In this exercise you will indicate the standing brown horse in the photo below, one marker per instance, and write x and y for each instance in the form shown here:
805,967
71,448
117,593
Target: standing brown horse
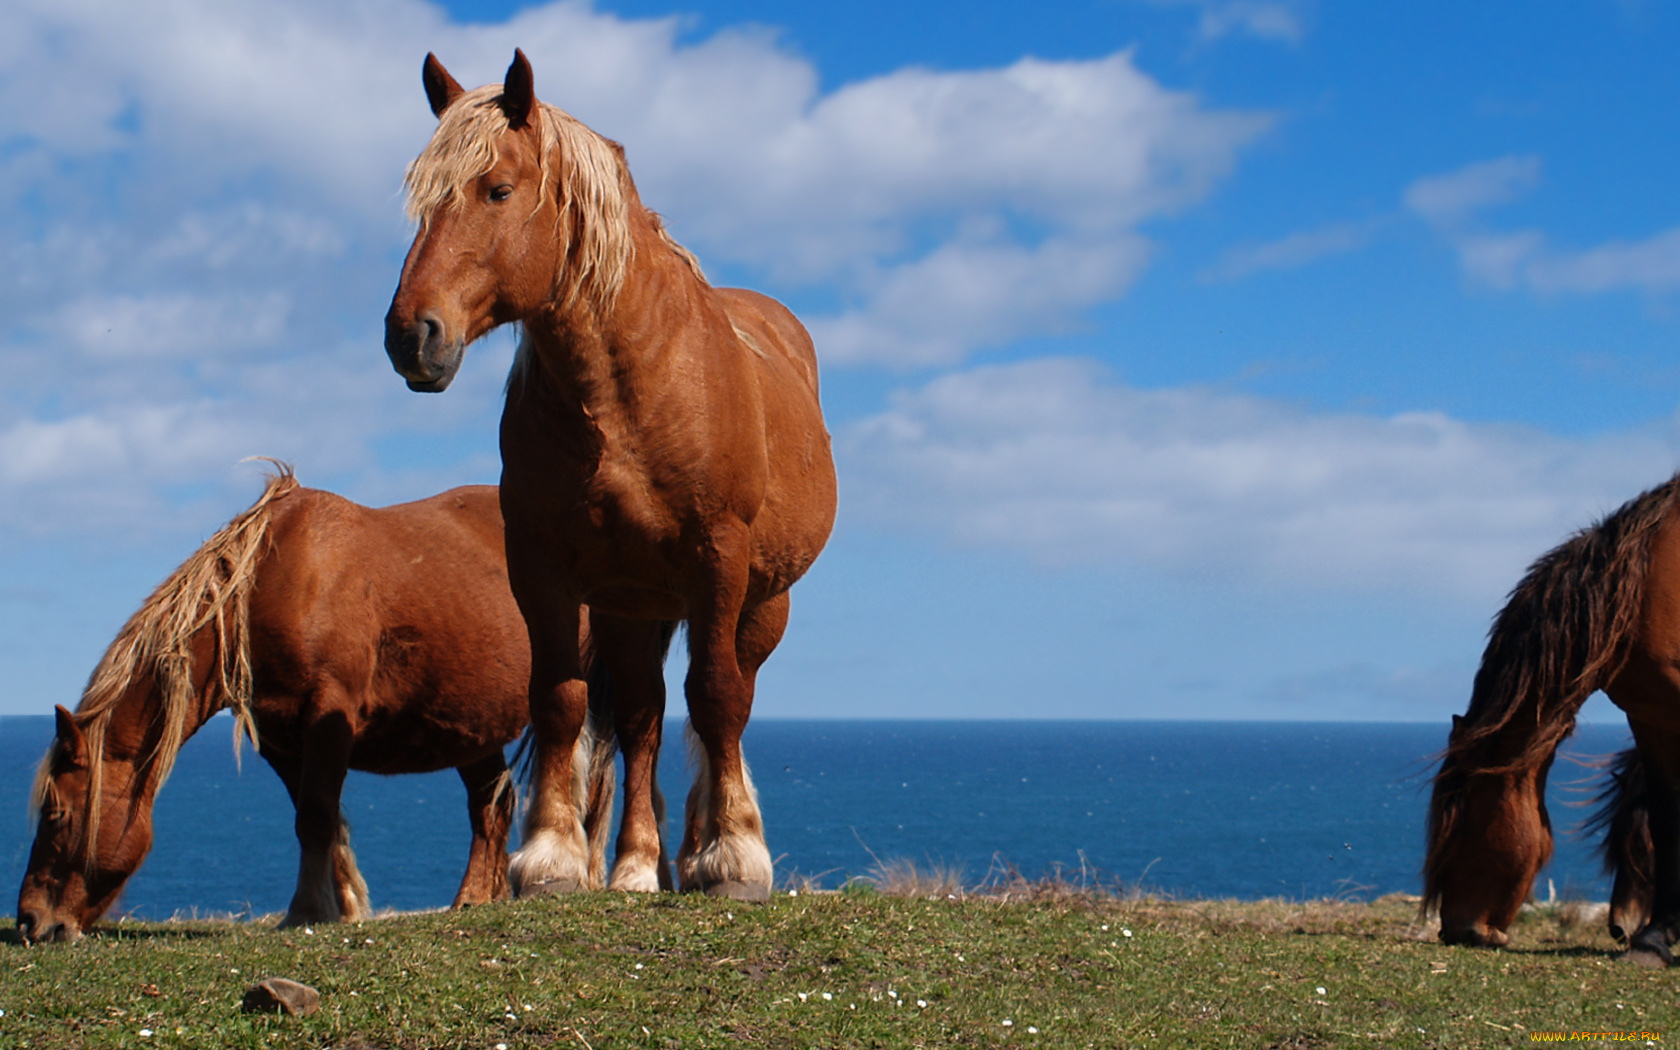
1601,611
663,458
341,638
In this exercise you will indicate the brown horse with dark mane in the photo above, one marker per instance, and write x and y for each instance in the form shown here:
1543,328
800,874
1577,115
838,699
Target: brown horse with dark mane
664,458
1599,612
341,638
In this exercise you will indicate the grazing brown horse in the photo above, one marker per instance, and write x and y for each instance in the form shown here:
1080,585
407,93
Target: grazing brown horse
663,458
341,638
1601,611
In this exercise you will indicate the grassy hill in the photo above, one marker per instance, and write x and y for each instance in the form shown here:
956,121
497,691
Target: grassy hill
855,969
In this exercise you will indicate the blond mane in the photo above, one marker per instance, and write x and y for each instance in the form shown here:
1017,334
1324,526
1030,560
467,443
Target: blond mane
210,589
591,186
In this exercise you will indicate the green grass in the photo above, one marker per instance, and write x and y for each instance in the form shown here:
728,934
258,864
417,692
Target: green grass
856,969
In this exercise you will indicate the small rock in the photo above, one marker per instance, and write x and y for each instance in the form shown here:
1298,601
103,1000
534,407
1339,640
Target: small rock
279,995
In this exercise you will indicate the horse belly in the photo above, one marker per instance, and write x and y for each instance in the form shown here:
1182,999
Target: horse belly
426,738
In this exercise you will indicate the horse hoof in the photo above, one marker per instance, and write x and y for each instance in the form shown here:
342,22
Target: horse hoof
1470,937
550,887
1649,953
745,892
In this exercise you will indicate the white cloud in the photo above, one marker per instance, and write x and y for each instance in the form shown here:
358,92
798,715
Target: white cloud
1275,20
166,325
1453,199
907,179
1453,204
1266,20
1290,252
966,297
1052,459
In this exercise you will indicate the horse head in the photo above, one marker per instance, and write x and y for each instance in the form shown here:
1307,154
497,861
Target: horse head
1489,836
519,209
94,830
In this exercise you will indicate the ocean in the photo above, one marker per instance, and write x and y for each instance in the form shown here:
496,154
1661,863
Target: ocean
1243,810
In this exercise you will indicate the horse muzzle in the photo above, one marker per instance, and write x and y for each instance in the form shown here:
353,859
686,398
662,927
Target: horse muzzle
40,928
421,351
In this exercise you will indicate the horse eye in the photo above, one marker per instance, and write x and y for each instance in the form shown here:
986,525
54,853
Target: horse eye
501,192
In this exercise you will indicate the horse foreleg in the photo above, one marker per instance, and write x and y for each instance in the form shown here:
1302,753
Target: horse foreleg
633,652
554,857
329,887
723,851
1659,749
490,811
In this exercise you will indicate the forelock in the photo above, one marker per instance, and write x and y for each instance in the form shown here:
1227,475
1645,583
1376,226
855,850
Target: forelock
462,149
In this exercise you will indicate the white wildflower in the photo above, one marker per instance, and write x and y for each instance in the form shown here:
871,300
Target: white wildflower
145,1033
1031,1030
922,1003
827,997
1320,990
1007,1023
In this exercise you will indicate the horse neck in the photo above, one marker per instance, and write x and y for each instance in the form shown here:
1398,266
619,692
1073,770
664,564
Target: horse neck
138,720
592,356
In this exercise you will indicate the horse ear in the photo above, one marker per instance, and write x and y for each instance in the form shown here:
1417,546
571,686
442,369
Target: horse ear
518,98
441,88
71,743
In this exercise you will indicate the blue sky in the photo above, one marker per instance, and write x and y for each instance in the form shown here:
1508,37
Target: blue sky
1185,358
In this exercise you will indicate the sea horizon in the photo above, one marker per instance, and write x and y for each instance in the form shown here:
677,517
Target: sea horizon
1244,809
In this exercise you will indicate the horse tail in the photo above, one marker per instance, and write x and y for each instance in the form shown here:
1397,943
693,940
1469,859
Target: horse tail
1565,632
349,888
1623,818
209,591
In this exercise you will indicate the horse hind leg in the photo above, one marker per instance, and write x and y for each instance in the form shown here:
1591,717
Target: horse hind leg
723,851
632,691
597,754
490,813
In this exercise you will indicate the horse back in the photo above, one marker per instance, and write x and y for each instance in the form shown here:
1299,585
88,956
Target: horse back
397,619
772,332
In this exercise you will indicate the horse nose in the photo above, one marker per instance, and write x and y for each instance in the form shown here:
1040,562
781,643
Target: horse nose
36,928
411,343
